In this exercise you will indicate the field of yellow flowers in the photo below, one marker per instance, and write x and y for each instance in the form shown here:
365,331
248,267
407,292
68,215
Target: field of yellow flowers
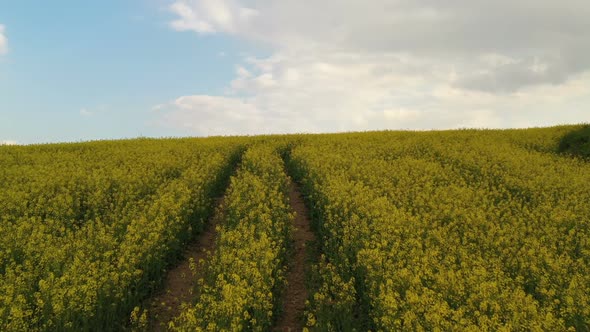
245,274
465,230
448,231
86,230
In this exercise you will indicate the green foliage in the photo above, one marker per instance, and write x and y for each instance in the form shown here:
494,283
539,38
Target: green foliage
245,274
445,231
87,230
576,143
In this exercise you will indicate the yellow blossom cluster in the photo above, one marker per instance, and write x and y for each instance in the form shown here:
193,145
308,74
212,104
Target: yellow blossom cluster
87,230
466,230
448,231
245,274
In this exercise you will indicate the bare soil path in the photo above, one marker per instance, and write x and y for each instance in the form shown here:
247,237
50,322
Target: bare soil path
296,292
179,284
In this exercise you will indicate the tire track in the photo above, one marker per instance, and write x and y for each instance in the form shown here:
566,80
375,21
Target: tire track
296,292
179,285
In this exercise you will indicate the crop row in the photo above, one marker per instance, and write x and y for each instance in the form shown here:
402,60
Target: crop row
245,274
88,230
460,230
428,231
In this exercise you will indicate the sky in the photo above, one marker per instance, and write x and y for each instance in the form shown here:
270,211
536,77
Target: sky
85,70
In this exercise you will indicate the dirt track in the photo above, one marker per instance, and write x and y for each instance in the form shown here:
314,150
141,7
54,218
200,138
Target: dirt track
296,291
179,284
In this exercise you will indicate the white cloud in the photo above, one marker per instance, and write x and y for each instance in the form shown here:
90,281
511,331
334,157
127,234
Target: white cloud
85,112
3,40
210,115
97,110
207,16
356,65
8,142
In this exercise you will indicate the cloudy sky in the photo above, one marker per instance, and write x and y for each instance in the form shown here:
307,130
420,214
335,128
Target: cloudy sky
75,70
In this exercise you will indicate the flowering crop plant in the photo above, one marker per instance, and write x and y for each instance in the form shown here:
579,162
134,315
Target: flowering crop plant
87,230
463,230
245,274
448,231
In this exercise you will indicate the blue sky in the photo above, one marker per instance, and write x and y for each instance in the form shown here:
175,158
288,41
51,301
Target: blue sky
74,70
79,70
